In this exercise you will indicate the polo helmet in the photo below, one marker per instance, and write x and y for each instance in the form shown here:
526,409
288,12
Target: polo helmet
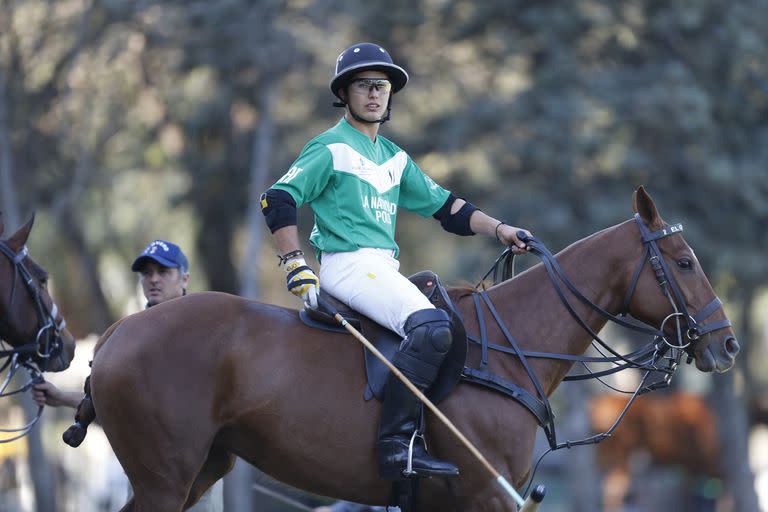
364,56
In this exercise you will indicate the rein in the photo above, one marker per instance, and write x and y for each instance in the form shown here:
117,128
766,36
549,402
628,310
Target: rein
13,364
47,343
647,358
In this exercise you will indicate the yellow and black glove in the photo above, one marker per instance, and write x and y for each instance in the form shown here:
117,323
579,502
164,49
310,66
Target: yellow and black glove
302,281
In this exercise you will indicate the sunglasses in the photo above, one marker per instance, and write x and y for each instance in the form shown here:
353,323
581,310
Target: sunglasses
367,85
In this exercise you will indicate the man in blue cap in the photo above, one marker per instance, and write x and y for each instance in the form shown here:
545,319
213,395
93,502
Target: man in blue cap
163,271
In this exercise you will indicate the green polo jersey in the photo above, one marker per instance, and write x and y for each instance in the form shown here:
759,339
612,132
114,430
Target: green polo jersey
355,187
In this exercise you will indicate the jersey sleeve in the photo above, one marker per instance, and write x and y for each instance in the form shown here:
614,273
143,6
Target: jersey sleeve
308,175
419,193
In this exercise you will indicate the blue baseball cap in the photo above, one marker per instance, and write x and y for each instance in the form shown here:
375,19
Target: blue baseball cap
165,253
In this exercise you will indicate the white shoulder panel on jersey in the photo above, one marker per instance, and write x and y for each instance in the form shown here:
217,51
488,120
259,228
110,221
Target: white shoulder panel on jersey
382,177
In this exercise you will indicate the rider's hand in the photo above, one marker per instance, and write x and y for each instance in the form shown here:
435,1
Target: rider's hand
507,235
302,281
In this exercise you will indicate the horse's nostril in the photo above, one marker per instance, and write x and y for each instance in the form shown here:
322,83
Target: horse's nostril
731,346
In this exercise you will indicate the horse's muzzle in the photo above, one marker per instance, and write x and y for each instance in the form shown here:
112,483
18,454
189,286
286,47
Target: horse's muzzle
717,356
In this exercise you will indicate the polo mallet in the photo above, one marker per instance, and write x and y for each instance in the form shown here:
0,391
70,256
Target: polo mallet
529,505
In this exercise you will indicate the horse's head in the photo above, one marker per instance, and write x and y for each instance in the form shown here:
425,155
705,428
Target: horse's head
674,293
29,319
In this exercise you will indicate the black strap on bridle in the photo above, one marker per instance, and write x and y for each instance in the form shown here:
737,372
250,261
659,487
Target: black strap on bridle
696,327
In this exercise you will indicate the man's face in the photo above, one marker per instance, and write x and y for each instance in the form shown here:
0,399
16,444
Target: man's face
161,283
368,94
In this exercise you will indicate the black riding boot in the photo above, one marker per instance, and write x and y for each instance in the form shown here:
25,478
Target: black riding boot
400,415
419,358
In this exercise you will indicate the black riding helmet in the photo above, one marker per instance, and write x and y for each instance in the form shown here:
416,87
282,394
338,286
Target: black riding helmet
361,57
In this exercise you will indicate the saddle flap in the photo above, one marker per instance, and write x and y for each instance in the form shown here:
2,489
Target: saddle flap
387,341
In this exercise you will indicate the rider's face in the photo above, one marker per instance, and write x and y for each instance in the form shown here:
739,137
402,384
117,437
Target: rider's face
368,94
162,283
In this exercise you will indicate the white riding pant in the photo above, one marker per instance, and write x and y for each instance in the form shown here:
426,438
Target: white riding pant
368,281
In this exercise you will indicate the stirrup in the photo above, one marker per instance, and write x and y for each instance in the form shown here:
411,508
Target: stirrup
408,471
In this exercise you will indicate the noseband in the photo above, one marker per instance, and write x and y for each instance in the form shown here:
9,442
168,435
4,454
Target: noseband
48,342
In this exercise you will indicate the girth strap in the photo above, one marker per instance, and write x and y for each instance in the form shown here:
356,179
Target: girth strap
509,388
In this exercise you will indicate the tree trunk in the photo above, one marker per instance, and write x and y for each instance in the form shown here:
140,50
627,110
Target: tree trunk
262,144
238,491
7,188
730,404
99,315
580,465
40,469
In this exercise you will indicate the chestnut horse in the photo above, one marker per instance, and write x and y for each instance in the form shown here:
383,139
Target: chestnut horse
183,387
30,321
674,429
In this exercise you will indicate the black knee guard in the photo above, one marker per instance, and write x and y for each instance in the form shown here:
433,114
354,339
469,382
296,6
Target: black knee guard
428,339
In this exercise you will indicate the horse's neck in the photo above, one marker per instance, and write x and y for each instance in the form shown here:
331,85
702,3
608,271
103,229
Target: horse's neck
534,313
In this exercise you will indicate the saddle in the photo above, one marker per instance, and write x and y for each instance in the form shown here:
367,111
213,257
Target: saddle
387,342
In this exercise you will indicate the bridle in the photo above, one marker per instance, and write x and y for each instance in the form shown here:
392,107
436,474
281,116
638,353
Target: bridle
695,326
659,356
48,342
35,355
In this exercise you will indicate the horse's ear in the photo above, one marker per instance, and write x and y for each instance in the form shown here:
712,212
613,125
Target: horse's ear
19,238
644,205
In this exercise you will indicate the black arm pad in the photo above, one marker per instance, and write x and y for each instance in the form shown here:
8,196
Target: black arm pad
457,223
279,209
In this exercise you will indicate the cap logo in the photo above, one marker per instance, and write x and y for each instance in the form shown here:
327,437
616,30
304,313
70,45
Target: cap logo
152,248
356,50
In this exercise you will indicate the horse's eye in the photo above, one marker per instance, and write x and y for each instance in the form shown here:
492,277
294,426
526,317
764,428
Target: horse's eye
685,263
